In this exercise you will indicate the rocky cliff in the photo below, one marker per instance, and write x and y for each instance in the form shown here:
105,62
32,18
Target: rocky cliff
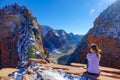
106,34
54,39
20,36
59,42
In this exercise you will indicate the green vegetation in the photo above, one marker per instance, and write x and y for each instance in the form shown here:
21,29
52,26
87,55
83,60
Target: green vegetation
31,51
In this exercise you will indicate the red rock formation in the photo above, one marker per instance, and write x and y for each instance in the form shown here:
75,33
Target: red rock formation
105,34
8,47
8,52
96,21
18,30
51,37
110,50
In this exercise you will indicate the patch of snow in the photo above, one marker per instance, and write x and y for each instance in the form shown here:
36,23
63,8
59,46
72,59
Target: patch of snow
48,74
24,41
56,33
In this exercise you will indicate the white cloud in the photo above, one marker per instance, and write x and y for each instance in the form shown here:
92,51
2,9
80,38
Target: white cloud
92,11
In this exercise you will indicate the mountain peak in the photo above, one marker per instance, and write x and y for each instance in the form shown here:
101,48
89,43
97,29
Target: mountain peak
19,35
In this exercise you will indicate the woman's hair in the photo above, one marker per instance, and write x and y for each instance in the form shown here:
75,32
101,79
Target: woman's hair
96,49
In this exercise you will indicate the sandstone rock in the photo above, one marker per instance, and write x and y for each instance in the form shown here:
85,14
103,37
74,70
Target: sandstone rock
5,71
105,34
26,77
20,35
30,71
6,78
40,61
61,72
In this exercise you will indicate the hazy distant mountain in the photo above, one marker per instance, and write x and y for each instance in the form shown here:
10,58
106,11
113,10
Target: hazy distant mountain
58,42
45,30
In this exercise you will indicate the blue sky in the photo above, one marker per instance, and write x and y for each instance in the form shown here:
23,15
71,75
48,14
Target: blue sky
75,16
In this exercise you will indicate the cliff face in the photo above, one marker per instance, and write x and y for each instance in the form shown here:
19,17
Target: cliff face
59,43
106,34
55,39
20,35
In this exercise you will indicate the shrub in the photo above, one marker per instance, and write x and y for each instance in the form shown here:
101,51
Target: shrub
30,52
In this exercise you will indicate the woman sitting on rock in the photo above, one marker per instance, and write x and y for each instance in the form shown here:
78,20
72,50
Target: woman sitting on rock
93,60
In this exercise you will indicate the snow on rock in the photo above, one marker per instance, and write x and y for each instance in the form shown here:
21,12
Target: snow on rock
38,73
58,42
20,35
106,34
